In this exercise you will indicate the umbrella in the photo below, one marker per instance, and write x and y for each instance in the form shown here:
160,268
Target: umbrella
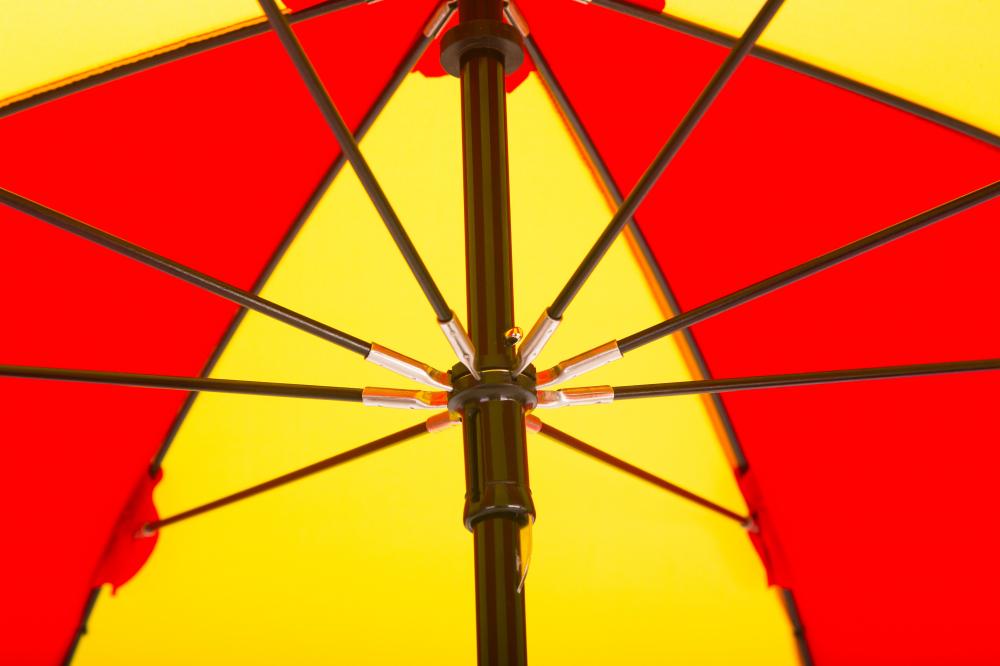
761,237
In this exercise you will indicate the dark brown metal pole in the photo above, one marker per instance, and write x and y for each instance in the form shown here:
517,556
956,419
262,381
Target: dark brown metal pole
481,50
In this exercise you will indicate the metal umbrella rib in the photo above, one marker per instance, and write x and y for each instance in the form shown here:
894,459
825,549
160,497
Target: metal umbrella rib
534,342
449,323
802,379
558,94
614,350
185,273
808,268
352,151
212,385
158,59
413,55
794,64
572,442
798,630
381,356
81,629
285,479
492,426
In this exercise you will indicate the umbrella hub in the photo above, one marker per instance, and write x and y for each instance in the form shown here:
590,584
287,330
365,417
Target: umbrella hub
493,384
484,36
492,409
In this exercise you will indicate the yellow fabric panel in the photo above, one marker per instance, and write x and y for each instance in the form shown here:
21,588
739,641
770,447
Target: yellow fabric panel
369,563
53,40
943,54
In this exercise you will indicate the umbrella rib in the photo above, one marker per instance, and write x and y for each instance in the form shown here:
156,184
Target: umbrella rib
370,395
794,64
605,394
536,339
604,173
381,356
162,58
212,385
402,71
572,442
81,627
315,468
812,267
798,629
456,335
803,379
322,8
614,350
185,273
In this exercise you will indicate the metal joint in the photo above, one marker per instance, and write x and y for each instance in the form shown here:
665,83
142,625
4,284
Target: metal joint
144,532
443,421
461,343
403,398
482,35
408,367
537,338
584,395
578,365
502,498
516,19
513,336
439,20
495,385
532,423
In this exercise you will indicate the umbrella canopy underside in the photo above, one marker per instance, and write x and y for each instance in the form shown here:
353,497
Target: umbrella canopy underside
870,497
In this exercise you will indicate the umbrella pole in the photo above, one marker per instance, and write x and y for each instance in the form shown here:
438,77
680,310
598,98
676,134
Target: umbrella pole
481,50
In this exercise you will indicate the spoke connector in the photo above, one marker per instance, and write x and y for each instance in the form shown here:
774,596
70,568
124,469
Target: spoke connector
461,384
463,388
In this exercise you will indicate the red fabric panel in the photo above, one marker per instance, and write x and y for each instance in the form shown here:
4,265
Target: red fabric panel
207,161
876,496
125,554
769,549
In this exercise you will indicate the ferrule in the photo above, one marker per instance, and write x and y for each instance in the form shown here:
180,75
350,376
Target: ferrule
408,367
516,19
461,343
578,365
537,338
584,395
404,398
437,22
443,421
